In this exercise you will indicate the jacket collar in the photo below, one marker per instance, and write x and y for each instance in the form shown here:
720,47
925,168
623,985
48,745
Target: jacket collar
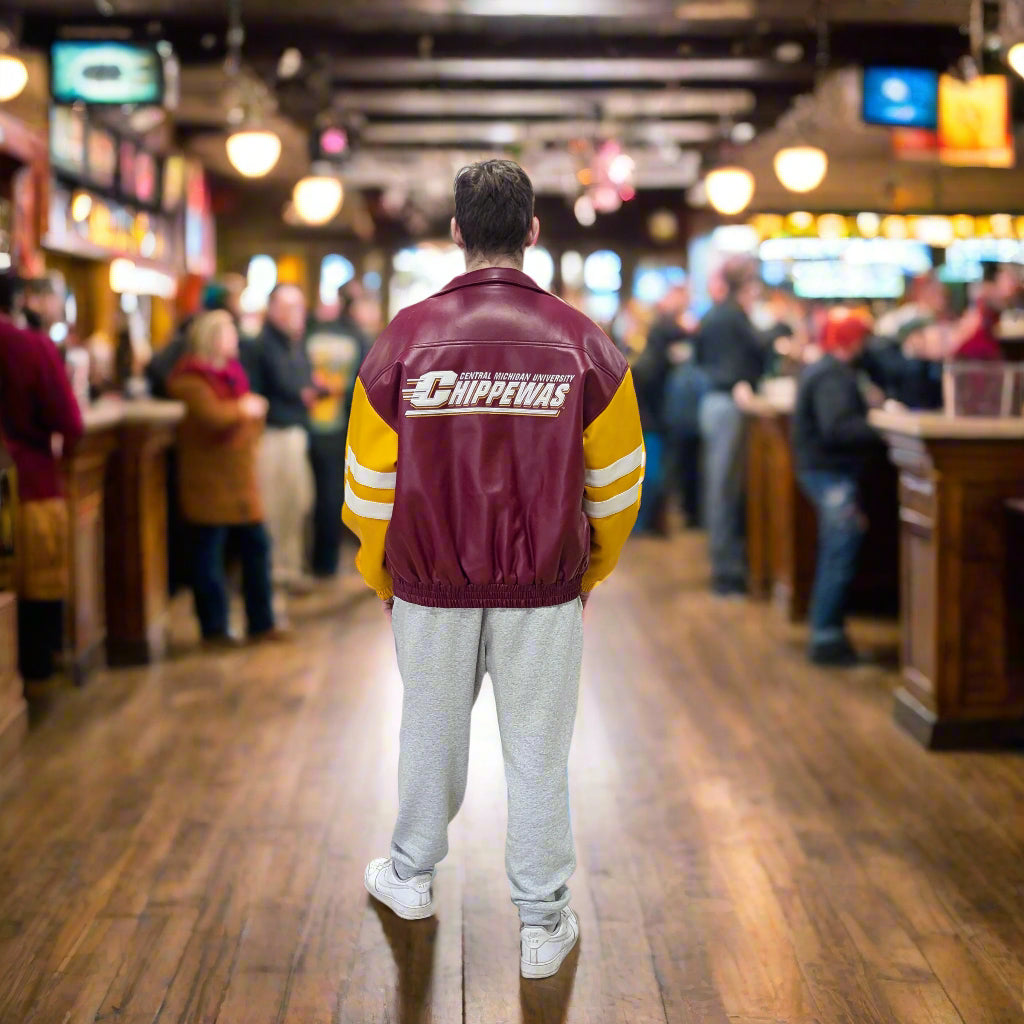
491,275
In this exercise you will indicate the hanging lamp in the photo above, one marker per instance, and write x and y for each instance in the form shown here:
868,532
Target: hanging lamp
729,189
254,152
801,167
317,198
252,148
13,76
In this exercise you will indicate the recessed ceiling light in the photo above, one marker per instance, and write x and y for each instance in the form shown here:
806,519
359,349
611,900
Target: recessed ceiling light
789,53
743,132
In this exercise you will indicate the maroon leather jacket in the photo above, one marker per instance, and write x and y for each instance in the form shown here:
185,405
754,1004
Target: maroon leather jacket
495,453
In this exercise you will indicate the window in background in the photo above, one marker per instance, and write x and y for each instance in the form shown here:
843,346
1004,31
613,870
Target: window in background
572,269
260,280
652,281
422,270
602,281
539,265
335,271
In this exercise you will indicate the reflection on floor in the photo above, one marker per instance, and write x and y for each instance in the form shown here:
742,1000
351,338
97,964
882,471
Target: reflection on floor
757,842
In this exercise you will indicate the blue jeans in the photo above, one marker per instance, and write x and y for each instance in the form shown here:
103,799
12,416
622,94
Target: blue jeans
841,528
723,429
652,493
209,587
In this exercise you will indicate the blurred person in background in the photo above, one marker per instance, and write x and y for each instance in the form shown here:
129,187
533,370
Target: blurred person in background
667,334
904,356
685,388
733,355
832,443
45,302
976,337
40,420
282,373
336,351
217,479
222,294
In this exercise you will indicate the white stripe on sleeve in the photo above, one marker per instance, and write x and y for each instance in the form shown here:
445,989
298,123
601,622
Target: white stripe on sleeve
367,509
370,477
603,509
616,471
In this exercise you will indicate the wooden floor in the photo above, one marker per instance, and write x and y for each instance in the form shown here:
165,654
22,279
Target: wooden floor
757,843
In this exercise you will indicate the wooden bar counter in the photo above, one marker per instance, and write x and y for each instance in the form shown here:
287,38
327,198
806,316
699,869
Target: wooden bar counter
116,486
963,669
782,525
13,708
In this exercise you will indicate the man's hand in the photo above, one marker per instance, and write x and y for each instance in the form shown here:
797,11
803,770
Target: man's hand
742,393
310,397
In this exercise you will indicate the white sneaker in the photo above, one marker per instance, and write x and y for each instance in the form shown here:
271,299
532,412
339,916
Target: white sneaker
542,952
411,899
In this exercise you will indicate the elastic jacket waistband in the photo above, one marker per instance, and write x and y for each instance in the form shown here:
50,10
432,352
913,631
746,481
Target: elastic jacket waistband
492,595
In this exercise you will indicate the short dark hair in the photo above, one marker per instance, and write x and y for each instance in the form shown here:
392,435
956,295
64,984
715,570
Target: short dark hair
737,274
494,208
10,289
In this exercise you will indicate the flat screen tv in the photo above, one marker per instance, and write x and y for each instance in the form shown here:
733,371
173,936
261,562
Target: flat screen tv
901,97
106,73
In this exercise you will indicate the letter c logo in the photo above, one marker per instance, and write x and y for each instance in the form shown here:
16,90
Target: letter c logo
434,389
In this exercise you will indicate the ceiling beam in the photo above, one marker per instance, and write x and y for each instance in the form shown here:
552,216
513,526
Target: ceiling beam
595,69
511,133
563,103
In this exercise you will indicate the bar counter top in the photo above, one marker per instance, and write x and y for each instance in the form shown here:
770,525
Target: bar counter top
938,426
113,412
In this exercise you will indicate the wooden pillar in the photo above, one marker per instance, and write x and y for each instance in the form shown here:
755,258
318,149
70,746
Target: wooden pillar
13,709
85,470
136,534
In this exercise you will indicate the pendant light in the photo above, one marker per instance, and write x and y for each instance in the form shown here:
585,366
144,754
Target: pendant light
1011,29
317,198
254,152
13,77
801,168
252,149
729,189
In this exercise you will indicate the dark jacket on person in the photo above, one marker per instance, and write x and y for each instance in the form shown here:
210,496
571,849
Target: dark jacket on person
495,456
651,370
729,347
280,370
36,402
161,366
831,432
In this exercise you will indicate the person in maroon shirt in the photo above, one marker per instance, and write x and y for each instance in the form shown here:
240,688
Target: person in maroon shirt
36,404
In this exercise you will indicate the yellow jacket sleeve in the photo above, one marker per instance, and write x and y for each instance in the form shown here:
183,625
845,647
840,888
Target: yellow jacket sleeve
371,466
614,455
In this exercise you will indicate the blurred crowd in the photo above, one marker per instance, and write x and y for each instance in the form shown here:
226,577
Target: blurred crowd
697,381
259,471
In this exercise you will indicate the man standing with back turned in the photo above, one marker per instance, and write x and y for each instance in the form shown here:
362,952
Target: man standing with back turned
495,462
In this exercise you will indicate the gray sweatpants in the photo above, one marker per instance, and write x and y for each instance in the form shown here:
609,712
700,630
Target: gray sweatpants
533,657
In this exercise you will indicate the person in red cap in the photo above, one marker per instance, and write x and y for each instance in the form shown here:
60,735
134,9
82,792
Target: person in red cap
833,441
